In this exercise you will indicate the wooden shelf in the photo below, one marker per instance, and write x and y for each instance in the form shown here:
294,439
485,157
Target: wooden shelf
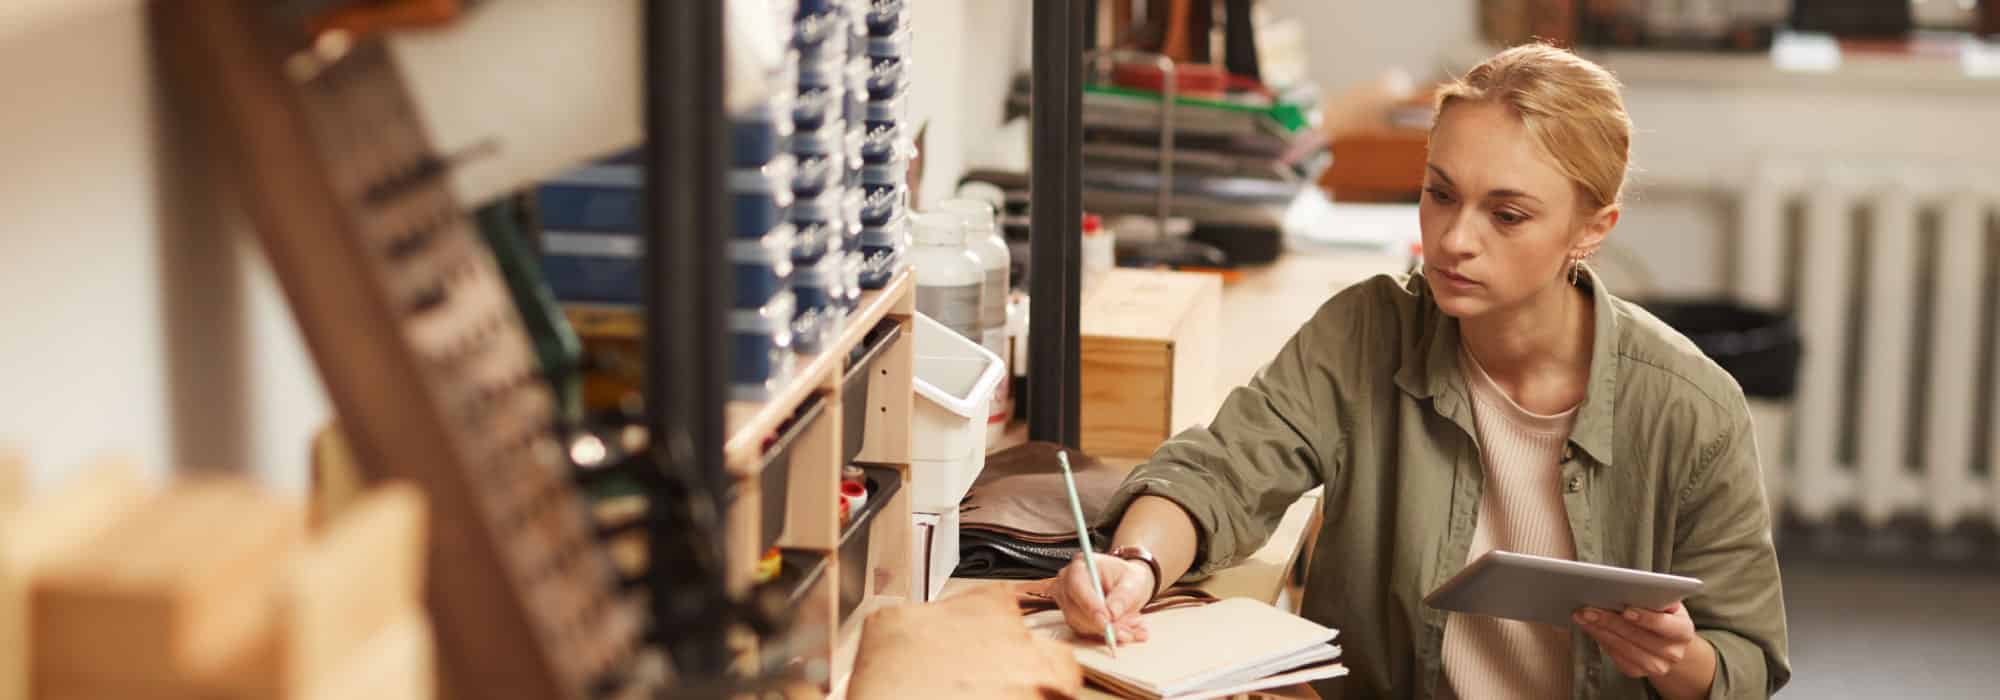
747,423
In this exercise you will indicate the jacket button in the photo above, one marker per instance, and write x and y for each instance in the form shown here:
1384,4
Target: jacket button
1569,453
1575,484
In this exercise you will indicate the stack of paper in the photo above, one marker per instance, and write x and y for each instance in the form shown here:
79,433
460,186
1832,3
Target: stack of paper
1206,651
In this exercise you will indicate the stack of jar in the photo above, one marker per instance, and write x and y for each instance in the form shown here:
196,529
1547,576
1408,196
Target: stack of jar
878,69
761,183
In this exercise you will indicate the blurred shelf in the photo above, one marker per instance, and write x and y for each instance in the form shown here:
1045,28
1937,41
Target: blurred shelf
747,423
21,17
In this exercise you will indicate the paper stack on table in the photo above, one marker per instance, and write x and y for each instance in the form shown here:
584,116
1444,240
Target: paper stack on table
1197,652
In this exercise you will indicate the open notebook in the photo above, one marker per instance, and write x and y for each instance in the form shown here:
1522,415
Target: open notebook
1197,652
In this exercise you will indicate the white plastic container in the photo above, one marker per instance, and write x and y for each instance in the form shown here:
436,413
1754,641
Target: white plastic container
949,277
982,237
954,386
934,549
1099,251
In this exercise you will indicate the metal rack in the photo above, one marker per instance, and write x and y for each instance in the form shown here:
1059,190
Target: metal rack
1061,31
685,163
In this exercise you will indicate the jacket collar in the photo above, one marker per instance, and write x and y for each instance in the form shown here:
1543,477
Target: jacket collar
1430,368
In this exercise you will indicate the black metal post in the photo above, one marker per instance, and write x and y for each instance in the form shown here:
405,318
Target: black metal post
1055,202
1072,164
685,219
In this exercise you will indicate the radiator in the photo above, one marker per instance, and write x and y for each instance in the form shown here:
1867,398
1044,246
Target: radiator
1891,272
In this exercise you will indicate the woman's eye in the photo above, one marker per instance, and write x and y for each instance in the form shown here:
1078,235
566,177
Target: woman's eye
1438,194
1509,218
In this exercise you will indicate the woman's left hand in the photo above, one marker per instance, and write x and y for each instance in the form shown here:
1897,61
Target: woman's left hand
1659,646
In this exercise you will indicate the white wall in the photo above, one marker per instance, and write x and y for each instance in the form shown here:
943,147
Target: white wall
1353,41
139,320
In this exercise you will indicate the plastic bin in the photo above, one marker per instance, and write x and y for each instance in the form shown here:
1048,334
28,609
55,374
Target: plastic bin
936,546
820,31
762,267
887,17
954,385
854,385
1761,349
774,476
883,483
759,196
820,316
887,77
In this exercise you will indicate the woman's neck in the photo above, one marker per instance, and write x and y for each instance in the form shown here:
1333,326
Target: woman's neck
1538,352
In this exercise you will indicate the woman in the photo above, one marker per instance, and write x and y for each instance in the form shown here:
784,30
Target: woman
1499,399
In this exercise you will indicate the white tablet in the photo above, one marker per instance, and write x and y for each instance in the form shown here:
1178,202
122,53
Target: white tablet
1540,589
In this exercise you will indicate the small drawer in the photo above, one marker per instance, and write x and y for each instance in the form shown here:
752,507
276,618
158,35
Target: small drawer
827,140
882,203
758,135
856,73
817,240
854,385
851,269
883,483
592,266
762,267
814,107
886,17
894,44
887,78
818,173
760,197
774,477
820,290
822,71
827,207
879,265
820,33
760,346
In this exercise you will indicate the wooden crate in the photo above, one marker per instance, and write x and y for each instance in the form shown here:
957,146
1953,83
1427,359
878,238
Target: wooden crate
1149,351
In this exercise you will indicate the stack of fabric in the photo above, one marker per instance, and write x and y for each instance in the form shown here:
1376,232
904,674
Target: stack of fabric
1015,523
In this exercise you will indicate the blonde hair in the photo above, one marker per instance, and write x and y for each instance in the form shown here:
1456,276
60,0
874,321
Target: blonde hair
1571,107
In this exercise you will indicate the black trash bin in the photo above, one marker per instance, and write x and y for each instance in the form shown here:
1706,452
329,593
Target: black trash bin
1761,349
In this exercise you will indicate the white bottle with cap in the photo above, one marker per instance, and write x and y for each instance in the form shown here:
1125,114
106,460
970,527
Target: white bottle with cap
949,278
982,237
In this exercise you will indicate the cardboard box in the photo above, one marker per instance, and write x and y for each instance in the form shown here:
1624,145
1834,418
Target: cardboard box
1149,350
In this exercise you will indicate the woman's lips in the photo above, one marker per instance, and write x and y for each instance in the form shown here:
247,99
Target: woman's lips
1454,278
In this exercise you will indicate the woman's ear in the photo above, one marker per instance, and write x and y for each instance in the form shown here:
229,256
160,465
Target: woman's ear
1596,228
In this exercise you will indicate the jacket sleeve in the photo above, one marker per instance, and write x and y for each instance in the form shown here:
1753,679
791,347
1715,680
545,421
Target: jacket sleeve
1267,445
1723,537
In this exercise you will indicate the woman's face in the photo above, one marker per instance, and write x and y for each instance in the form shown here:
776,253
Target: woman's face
1499,220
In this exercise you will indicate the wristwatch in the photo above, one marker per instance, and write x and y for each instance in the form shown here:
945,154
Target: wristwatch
1133,552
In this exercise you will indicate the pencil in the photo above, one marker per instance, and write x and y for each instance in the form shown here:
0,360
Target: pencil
1083,541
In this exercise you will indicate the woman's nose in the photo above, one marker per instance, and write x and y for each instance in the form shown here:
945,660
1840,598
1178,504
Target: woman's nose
1459,239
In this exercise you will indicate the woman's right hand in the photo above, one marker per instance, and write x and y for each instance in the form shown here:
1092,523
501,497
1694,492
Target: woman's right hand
1128,586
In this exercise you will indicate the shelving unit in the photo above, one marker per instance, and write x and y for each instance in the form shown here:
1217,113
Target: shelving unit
812,530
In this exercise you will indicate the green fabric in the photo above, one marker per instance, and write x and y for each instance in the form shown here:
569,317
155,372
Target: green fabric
1661,473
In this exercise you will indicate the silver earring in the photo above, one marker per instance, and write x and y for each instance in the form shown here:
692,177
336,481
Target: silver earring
1575,269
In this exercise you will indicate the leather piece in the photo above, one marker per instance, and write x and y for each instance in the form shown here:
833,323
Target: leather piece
1016,523
972,645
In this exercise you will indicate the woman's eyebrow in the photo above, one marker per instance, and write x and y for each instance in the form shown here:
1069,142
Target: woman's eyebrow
1495,194
1513,194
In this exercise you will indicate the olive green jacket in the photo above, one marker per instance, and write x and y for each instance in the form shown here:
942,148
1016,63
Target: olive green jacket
1660,473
